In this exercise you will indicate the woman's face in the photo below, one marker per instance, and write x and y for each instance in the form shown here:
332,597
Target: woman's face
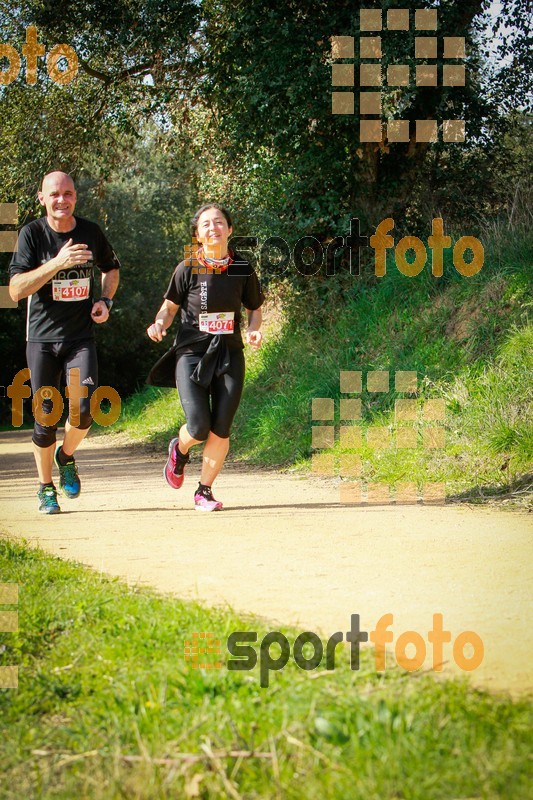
213,231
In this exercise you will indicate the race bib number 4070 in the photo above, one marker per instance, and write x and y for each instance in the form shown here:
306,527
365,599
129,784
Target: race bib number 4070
217,322
77,289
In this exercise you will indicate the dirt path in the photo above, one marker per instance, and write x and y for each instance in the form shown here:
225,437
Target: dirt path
285,549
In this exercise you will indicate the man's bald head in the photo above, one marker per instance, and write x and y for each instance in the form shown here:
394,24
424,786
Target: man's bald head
58,196
55,176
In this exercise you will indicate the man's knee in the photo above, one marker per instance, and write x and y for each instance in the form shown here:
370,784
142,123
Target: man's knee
80,414
44,435
86,420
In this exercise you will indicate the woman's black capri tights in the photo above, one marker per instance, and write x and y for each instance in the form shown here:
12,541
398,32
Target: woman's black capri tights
214,408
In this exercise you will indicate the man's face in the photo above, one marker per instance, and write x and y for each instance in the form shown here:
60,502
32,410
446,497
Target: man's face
58,195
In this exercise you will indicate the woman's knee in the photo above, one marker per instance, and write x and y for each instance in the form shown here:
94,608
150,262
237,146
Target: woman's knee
199,430
222,429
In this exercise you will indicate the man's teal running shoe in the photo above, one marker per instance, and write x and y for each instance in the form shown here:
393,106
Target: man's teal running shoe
69,480
48,500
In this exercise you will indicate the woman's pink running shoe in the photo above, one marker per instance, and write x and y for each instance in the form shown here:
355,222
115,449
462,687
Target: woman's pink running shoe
206,502
174,468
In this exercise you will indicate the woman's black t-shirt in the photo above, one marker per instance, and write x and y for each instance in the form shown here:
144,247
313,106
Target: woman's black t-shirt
213,297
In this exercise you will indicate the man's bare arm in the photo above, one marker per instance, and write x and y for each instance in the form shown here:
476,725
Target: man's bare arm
100,311
110,281
26,283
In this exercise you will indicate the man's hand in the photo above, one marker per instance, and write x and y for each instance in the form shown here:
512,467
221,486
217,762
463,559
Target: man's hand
156,331
254,339
72,254
25,283
100,312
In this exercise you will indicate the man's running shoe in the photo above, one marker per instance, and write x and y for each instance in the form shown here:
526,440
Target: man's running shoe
69,480
174,470
48,500
204,501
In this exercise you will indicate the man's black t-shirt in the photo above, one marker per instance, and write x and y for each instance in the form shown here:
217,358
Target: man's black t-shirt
61,309
215,297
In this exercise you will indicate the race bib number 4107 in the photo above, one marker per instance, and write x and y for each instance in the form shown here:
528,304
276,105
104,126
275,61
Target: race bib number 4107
77,289
217,322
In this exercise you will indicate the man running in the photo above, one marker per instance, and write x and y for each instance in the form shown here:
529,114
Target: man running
53,268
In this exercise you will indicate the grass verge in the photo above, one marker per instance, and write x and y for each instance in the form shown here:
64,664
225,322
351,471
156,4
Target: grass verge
108,708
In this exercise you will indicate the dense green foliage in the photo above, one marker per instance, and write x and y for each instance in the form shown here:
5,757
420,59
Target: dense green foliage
104,689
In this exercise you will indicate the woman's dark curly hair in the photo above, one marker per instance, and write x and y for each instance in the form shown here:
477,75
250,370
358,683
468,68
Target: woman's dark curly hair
194,220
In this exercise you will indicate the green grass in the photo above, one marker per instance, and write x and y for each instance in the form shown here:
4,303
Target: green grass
104,690
469,339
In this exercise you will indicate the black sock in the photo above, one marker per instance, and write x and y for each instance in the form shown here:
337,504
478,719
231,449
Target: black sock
179,454
181,460
46,485
204,490
63,458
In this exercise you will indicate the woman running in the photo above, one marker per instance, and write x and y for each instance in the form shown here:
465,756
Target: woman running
210,289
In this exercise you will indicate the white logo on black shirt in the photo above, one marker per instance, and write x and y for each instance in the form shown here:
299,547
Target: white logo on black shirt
203,295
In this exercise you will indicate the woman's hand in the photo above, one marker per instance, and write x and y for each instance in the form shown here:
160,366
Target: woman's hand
156,331
163,320
254,339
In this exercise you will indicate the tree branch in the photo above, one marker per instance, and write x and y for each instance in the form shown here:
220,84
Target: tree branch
107,78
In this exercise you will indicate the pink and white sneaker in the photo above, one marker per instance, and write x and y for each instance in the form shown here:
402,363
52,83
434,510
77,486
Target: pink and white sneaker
204,501
175,466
